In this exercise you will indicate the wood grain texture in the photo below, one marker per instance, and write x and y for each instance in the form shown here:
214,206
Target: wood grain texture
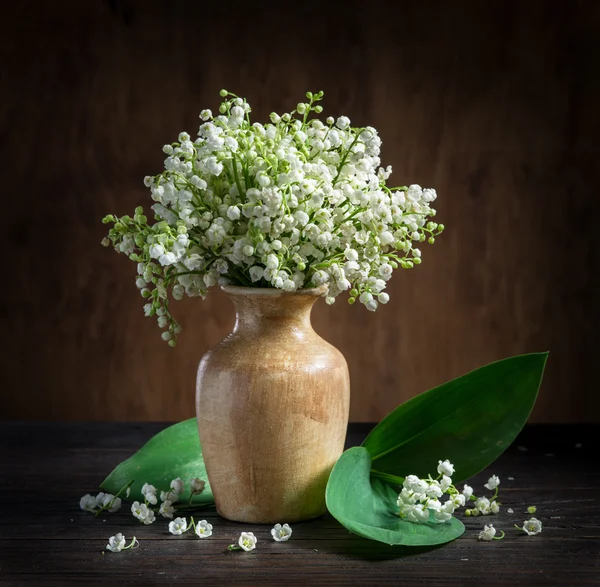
272,404
46,539
492,103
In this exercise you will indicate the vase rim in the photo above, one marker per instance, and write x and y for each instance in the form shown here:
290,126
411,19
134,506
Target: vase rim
273,291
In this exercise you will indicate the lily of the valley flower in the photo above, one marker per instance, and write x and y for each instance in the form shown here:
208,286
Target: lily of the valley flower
531,527
117,543
149,493
445,468
281,533
492,483
166,509
247,541
467,491
489,533
102,502
87,503
178,526
177,486
203,529
142,512
197,485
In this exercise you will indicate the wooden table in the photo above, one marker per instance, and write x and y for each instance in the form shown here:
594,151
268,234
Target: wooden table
46,539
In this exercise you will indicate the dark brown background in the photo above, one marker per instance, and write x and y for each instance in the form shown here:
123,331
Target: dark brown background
493,103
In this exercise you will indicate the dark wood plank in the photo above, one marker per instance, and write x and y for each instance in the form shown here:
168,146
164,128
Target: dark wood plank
46,539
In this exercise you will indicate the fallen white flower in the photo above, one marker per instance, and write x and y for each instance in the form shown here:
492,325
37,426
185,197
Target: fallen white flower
487,533
116,543
142,512
166,509
532,526
178,526
247,541
281,533
203,529
87,503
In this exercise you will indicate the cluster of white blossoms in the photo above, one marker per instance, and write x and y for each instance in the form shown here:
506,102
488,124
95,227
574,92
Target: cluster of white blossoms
486,506
144,512
103,502
180,526
420,500
291,204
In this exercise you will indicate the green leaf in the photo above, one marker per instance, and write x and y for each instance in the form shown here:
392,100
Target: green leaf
470,420
173,452
368,507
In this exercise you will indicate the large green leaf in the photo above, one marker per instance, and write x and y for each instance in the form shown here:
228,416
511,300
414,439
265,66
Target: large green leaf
367,506
470,421
173,452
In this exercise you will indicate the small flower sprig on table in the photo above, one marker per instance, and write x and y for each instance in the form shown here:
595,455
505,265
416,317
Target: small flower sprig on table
489,533
104,502
290,204
281,533
531,527
117,543
247,541
144,512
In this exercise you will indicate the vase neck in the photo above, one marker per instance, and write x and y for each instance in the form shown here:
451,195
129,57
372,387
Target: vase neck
260,310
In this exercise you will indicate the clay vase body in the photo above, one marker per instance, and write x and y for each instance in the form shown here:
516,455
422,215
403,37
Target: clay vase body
272,403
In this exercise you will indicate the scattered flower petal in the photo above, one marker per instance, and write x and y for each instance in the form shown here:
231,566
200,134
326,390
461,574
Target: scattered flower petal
166,509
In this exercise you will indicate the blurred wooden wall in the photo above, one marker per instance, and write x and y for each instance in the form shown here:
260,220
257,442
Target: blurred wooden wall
495,104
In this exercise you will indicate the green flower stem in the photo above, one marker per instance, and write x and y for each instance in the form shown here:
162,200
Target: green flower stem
134,544
236,175
343,161
499,537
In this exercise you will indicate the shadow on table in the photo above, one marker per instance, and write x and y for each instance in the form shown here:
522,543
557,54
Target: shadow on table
351,545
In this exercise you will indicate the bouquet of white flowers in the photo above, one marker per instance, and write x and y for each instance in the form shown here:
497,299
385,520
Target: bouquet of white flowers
292,204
